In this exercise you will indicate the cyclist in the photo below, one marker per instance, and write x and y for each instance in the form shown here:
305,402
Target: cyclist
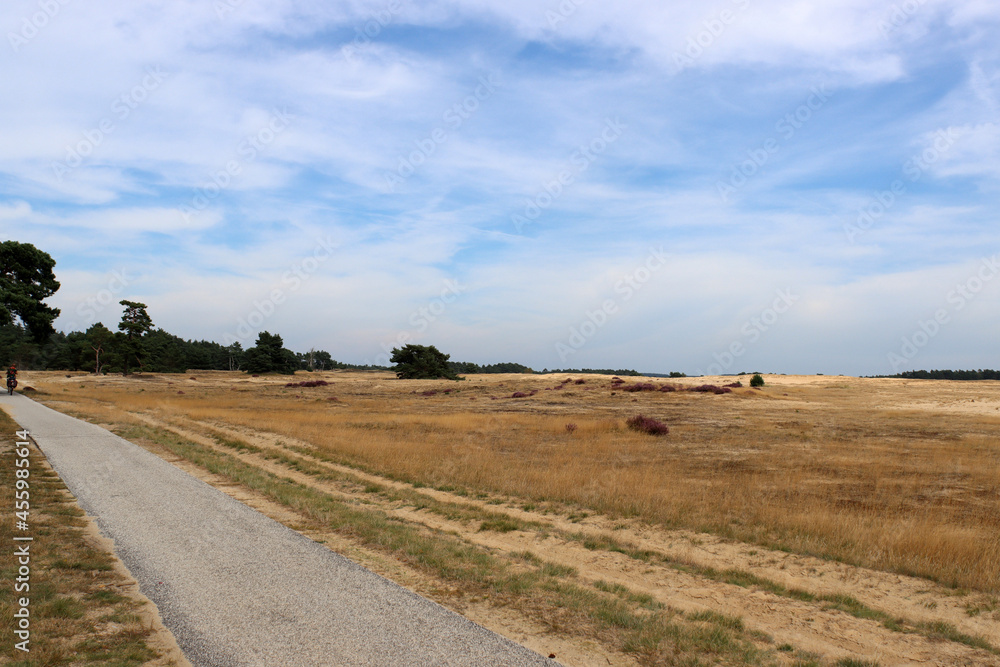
11,379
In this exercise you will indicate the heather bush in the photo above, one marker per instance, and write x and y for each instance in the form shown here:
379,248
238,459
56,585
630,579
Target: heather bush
640,386
308,383
711,389
647,425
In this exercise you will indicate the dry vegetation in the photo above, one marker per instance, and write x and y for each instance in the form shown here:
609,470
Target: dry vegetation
888,475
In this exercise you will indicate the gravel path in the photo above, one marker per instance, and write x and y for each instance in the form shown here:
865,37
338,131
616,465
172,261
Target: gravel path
237,588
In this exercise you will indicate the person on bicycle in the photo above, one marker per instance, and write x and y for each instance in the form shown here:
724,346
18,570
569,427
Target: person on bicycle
12,377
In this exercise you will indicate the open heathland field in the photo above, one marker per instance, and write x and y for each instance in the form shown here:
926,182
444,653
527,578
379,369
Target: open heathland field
815,521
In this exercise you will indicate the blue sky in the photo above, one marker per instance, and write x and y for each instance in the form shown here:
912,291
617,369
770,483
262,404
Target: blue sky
793,187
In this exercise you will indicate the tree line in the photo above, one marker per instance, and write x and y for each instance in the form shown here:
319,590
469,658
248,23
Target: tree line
100,350
981,374
29,340
139,346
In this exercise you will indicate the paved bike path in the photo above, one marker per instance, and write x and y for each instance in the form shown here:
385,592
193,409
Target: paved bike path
237,588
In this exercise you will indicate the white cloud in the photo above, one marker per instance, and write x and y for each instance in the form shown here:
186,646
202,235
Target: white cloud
976,152
130,221
14,211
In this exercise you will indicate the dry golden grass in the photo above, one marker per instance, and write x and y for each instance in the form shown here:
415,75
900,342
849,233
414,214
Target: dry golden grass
893,475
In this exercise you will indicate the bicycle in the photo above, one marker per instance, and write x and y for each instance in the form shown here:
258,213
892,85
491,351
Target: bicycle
11,384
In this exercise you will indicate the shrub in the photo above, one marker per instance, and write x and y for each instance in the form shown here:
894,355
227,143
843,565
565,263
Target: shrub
308,383
580,381
647,425
570,428
711,389
668,387
757,380
429,392
640,386
519,394
735,385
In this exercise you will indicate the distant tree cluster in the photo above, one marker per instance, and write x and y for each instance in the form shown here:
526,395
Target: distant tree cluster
100,350
981,374
469,368
28,339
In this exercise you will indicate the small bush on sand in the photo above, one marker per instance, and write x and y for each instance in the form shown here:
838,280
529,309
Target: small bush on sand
757,380
711,389
308,383
647,425
640,386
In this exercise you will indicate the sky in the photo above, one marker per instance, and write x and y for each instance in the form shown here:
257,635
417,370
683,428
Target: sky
785,186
